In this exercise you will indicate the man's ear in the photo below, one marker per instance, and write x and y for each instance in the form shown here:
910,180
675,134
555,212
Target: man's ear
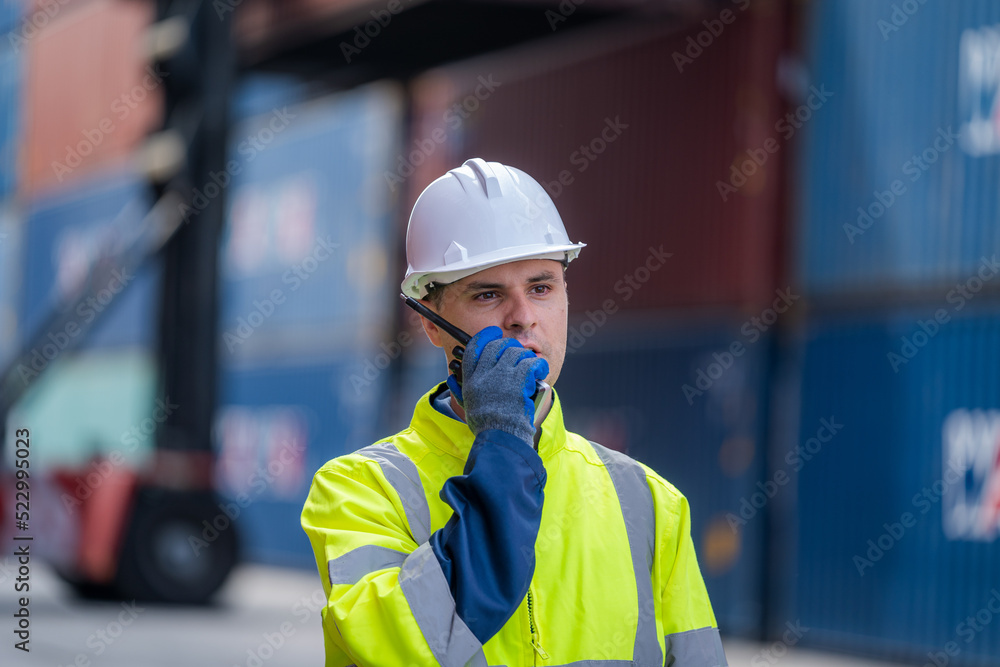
430,329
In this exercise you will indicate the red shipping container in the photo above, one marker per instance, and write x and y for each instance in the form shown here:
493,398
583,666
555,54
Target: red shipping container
91,96
633,131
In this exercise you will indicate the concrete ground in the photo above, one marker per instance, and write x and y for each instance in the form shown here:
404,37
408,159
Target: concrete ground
259,608
743,653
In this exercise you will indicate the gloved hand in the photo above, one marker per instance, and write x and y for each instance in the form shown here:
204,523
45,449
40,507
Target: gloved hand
499,377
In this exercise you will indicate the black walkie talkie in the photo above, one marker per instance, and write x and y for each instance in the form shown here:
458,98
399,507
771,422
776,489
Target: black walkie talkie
542,389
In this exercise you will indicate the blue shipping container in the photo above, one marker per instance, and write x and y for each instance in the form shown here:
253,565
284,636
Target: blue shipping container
308,250
10,267
11,20
276,426
64,233
258,94
11,80
676,398
892,545
307,298
901,148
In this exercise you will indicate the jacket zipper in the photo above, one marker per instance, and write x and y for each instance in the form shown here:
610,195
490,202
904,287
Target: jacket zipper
535,644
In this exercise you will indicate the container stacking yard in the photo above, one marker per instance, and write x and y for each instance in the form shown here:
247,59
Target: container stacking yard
789,302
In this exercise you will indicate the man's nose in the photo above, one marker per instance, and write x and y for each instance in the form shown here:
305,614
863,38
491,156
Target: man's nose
520,314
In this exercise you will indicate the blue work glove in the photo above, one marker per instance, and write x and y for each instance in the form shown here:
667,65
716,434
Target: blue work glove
498,380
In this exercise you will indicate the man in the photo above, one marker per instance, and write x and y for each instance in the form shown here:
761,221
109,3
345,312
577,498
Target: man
473,537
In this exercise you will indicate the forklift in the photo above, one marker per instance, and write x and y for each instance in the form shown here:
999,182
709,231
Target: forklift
142,533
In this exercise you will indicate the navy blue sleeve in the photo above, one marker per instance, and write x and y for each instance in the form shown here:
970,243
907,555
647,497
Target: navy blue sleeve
487,548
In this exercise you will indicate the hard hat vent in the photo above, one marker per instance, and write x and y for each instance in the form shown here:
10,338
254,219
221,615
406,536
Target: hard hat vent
486,176
456,252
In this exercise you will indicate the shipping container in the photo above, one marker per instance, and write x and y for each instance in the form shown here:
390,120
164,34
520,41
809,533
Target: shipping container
307,299
11,16
10,278
94,377
65,234
635,133
900,165
687,398
257,94
276,425
88,405
11,84
91,96
308,249
887,539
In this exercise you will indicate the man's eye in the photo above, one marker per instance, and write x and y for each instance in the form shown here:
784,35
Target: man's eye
543,289
483,296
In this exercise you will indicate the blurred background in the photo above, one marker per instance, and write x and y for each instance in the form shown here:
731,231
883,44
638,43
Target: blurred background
788,305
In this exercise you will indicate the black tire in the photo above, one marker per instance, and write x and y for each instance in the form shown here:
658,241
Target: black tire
169,555
86,589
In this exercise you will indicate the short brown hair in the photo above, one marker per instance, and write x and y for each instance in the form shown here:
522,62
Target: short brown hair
435,292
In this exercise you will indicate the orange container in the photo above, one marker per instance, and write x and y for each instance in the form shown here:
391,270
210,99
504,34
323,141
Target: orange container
90,95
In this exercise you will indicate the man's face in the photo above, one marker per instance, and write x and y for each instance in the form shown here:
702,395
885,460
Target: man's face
526,299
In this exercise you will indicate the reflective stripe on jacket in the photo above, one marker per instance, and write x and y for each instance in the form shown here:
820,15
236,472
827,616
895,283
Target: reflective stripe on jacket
615,581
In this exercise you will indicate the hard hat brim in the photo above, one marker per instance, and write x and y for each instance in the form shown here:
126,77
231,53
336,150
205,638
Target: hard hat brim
416,282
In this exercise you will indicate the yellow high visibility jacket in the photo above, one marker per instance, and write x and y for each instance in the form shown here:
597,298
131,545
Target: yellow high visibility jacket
615,582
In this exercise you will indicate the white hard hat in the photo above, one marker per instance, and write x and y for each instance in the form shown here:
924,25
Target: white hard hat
480,215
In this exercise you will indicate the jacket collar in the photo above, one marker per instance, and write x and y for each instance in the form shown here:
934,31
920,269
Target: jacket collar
454,437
